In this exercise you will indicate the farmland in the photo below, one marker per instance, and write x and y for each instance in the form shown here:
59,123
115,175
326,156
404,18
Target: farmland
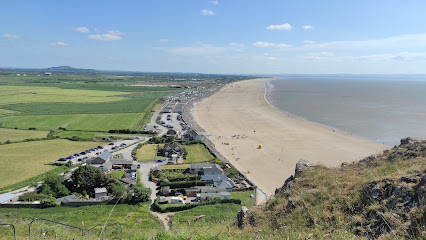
87,122
85,135
20,161
14,135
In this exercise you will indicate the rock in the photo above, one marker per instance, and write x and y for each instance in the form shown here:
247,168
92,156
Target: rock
406,141
241,216
368,160
345,164
291,205
303,166
287,185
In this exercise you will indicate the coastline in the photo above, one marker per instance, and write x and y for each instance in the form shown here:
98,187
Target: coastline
240,116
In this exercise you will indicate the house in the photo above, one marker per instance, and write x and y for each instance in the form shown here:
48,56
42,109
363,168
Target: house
171,132
227,184
101,159
192,135
191,192
173,148
205,169
214,178
163,200
156,170
128,181
100,192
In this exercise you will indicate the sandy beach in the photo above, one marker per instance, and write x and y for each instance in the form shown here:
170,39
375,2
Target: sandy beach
239,120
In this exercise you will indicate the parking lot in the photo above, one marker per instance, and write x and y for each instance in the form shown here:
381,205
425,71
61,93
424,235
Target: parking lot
87,154
173,123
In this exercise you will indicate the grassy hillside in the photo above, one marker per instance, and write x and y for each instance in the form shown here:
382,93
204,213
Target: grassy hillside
379,197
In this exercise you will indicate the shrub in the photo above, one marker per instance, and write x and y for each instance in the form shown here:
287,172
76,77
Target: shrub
49,202
32,196
184,184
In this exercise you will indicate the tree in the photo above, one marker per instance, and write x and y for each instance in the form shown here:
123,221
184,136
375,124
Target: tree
87,178
140,194
53,185
117,189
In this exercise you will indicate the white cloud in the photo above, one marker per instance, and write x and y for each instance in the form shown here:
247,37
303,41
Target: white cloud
309,42
111,35
285,26
206,12
270,44
200,49
81,29
307,27
115,32
214,2
263,44
10,36
59,44
164,40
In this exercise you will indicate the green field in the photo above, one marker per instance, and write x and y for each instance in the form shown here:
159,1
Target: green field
88,122
137,221
19,135
23,94
197,153
20,161
147,153
4,112
133,103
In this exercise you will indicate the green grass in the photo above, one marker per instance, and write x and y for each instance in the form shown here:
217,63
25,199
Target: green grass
137,221
24,94
118,174
19,135
147,153
246,200
157,107
87,122
96,135
197,153
4,112
20,161
177,166
133,103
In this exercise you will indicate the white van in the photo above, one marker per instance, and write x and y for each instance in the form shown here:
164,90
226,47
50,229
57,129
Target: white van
177,200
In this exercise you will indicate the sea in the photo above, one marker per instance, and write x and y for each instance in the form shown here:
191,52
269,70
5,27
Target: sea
382,108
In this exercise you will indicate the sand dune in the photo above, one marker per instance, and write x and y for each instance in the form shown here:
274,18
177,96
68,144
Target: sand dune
240,109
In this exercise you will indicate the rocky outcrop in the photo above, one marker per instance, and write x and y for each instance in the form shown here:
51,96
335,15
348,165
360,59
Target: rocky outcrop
242,216
303,166
402,199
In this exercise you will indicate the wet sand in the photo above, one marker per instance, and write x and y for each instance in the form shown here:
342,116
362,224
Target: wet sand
239,119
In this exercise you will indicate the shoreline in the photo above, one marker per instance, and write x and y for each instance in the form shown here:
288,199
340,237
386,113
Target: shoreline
242,117
313,122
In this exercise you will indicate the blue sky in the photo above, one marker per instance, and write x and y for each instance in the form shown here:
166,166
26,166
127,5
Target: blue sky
223,36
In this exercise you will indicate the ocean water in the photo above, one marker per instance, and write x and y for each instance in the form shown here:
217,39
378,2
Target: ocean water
383,109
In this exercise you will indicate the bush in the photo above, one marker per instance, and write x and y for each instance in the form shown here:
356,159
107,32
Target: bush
49,202
157,208
32,196
140,194
184,184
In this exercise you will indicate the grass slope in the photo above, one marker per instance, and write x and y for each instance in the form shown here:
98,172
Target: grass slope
97,135
137,221
20,161
197,153
19,135
87,122
4,112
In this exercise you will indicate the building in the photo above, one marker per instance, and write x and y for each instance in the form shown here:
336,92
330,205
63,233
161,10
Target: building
101,192
207,196
177,200
192,135
173,148
205,169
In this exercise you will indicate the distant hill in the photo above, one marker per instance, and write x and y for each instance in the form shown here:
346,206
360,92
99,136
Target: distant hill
68,69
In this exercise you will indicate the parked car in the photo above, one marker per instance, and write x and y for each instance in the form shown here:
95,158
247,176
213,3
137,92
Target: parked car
62,159
111,144
138,138
100,147
113,148
163,122
83,153
160,160
77,155
139,166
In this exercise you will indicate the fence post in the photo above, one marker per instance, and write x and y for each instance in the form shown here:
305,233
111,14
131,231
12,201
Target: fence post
13,227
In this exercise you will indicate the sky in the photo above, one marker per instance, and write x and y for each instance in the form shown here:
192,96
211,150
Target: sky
217,36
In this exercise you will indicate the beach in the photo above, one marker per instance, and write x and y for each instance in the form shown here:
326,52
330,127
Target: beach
238,119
